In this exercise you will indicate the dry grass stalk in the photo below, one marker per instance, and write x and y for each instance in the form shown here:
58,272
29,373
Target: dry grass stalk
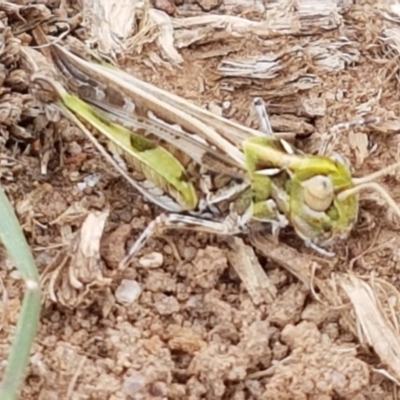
376,318
255,280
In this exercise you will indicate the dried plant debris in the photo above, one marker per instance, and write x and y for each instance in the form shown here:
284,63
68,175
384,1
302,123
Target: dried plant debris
375,322
195,316
376,307
119,27
78,271
109,23
278,18
325,56
244,261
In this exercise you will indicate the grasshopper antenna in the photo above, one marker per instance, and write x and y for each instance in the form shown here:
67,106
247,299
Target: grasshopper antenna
367,183
375,175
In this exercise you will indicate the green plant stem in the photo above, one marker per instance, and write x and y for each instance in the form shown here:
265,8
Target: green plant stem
11,235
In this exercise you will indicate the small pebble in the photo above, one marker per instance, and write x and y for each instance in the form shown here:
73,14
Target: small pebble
166,305
15,275
152,260
159,389
134,384
128,291
89,181
215,108
74,176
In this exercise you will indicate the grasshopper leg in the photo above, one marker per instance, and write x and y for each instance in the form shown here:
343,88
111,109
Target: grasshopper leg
261,111
231,225
318,249
13,239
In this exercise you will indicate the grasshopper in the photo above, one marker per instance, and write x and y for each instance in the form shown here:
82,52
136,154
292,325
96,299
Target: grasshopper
240,178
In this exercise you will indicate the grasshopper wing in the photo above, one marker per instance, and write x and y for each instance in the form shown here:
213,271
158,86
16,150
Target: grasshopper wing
162,171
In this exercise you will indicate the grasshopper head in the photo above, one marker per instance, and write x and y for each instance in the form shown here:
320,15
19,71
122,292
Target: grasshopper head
319,216
324,199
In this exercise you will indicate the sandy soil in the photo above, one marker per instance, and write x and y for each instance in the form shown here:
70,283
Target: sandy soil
192,330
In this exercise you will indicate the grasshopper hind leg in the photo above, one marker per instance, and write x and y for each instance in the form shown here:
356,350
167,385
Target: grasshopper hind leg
231,225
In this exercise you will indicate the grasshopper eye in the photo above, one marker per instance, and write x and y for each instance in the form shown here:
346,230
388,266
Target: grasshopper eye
318,193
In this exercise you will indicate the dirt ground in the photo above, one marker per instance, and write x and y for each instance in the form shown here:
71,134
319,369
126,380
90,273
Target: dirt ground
178,323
